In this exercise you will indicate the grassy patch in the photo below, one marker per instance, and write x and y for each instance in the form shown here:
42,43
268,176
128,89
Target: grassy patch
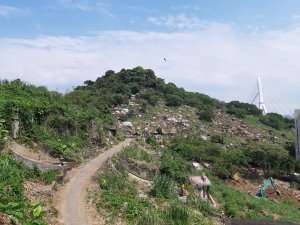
136,153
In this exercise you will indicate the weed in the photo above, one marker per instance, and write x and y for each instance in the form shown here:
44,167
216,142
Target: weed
163,187
135,153
178,214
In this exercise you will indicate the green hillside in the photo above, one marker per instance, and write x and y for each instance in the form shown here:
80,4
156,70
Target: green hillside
172,129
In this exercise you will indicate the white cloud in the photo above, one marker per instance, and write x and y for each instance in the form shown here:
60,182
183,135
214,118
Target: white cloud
9,11
87,6
188,7
215,60
180,21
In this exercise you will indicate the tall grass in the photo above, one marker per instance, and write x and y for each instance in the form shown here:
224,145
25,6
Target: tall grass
163,187
178,214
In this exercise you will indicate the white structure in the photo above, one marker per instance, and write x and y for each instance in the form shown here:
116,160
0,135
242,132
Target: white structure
261,104
297,133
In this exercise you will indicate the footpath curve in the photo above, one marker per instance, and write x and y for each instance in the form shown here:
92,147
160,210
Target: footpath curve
72,202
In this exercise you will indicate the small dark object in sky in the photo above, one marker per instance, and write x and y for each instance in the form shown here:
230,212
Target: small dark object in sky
165,59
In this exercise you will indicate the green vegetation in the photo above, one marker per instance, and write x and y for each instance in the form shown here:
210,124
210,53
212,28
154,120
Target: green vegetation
240,109
47,117
68,124
277,121
275,155
137,154
175,168
12,199
238,204
206,114
163,187
3,132
120,198
116,88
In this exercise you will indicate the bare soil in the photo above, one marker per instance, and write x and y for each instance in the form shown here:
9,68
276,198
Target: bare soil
32,154
252,186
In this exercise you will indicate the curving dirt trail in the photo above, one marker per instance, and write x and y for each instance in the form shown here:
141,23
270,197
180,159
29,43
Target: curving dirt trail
72,202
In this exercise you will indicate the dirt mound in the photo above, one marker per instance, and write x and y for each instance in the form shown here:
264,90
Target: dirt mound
287,194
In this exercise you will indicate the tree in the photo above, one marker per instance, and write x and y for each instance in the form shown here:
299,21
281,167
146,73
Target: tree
173,100
206,115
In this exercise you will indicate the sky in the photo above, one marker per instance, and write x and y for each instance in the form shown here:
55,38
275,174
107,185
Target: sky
215,47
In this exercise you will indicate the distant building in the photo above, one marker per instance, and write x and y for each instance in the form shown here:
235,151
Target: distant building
297,133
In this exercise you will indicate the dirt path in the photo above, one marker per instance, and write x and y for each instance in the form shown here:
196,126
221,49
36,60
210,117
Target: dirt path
31,154
72,202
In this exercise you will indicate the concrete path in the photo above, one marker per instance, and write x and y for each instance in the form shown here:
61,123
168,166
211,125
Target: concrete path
72,202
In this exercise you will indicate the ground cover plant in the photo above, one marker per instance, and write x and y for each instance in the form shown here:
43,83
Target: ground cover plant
12,199
68,124
120,197
48,117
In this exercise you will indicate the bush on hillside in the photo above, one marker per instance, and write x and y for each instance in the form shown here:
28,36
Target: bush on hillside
207,115
173,100
276,121
229,163
276,155
240,109
174,166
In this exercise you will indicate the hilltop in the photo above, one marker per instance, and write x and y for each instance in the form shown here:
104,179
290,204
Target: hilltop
232,143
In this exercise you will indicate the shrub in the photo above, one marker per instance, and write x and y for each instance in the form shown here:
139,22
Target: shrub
173,100
276,121
217,138
276,155
206,115
159,130
240,109
229,163
173,166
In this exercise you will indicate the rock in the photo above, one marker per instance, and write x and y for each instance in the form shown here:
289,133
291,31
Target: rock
204,137
183,199
15,128
127,124
236,177
124,111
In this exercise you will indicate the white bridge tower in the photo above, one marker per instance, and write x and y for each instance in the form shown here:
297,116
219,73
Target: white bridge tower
261,103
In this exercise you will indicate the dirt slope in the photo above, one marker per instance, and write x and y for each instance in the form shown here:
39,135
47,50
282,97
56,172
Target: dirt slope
72,203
